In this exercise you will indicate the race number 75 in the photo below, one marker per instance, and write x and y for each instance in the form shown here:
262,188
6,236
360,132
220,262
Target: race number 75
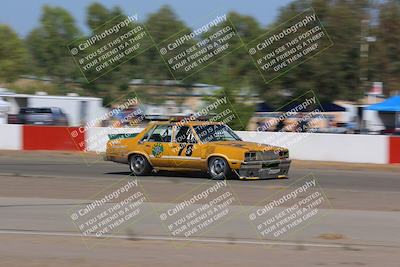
188,152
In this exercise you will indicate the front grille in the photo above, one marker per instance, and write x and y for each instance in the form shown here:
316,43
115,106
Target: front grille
267,155
270,165
250,156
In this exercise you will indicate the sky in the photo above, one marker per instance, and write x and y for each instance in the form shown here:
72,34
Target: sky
24,15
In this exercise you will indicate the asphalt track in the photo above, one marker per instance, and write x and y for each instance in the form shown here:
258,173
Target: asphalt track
92,166
39,190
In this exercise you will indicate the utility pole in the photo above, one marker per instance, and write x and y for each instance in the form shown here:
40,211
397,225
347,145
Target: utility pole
364,52
365,39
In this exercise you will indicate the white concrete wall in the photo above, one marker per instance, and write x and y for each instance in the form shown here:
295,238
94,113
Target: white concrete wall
10,137
303,146
97,137
95,110
326,147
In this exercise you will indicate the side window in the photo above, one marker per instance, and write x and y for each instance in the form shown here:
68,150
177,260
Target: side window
147,135
162,133
185,135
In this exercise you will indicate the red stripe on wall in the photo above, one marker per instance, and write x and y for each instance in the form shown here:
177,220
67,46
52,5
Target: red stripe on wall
52,138
394,149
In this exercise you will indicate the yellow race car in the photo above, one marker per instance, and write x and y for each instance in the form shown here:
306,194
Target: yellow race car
197,145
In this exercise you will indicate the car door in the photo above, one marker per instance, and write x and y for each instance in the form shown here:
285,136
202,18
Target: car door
157,144
186,150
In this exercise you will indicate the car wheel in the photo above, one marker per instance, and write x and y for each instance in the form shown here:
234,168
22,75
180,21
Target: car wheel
139,165
218,168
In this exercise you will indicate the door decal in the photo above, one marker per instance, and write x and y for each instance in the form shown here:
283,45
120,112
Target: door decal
157,150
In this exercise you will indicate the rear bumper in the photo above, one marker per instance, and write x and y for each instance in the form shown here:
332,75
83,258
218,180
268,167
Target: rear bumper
264,169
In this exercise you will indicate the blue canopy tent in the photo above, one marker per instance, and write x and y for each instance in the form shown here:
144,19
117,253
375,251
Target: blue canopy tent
389,106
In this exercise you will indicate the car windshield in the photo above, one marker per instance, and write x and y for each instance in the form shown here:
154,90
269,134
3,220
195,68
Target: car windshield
215,132
35,110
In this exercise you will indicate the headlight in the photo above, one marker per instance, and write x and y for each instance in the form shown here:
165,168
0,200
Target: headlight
284,154
250,156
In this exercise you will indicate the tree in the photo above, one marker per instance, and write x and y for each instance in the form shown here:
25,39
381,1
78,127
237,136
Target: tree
48,44
385,52
97,15
234,112
235,69
112,83
13,55
161,25
334,73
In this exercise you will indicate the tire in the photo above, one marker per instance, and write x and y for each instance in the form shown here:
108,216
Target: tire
218,168
139,165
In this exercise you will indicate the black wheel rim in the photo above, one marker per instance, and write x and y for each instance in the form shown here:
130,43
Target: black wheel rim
217,167
138,164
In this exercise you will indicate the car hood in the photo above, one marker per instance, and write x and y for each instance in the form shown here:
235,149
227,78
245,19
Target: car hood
248,146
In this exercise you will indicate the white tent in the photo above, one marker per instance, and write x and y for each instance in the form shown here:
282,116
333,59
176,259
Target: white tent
4,108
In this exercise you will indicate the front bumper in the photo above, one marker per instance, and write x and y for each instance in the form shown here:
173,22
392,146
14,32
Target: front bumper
264,169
